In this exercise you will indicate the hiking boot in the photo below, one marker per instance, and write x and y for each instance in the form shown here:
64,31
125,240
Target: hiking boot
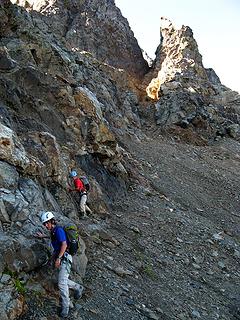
64,312
78,292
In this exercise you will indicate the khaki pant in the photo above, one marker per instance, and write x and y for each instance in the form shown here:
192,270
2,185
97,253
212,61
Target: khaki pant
83,204
64,284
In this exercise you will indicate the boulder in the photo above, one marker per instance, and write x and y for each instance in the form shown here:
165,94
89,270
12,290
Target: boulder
80,260
6,63
8,175
12,151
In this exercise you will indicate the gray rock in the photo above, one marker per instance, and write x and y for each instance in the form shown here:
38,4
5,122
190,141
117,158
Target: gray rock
6,63
12,151
122,272
10,307
21,255
2,263
196,314
149,313
236,253
234,130
196,266
15,205
135,229
4,217
221,265
6,278
31,193
212,76
80,260
8,175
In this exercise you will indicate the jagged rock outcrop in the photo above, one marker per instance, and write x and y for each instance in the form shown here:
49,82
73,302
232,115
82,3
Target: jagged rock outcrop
187,94
96,27
176,55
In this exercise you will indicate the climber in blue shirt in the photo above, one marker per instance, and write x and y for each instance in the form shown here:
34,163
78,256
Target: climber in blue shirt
62,261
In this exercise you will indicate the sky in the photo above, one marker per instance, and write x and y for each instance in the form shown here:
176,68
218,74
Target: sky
215,25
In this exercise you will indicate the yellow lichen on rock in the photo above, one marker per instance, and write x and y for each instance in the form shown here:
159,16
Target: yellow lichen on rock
153,88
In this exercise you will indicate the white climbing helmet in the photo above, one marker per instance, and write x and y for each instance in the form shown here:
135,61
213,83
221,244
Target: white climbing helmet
46,216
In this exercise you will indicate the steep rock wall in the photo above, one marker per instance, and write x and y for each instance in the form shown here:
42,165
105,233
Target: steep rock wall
185,93
59,109
92,26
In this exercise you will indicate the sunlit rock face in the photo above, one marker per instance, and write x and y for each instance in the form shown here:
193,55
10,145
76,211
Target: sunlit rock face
185,93
177,55
94,26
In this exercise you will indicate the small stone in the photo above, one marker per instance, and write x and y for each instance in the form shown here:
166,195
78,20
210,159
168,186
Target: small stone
96,239
196,266
210,272
210,241
5,278
215,254
221,264
218,236
194,273
106,236
78,306
149,313
126,289
94,311
138,264
130,302
19,224
135,229
236,253
121,272
198,259
196,314
159,310
109,244
182,316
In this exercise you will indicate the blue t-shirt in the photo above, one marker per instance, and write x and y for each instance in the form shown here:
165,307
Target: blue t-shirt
58,235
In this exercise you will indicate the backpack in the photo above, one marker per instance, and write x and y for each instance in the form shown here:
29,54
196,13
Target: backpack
86,183
73,238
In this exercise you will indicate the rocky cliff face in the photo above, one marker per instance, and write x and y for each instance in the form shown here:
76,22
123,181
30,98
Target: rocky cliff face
59,110
92,26
73,95
187,94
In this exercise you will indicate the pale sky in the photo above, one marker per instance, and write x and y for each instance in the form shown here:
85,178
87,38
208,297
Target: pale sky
215,25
